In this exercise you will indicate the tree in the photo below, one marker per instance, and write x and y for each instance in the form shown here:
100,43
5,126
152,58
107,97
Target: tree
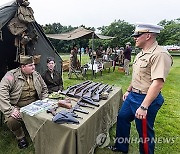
119,29
170,35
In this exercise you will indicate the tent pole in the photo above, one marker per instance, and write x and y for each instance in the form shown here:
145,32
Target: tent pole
92,58
80,56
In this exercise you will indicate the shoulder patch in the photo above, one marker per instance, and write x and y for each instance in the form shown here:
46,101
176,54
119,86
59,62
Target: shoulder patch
9,77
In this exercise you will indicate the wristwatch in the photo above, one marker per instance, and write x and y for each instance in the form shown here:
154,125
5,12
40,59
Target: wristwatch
143,108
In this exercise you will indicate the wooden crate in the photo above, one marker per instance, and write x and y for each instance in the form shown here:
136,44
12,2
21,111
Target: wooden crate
66,65
120,69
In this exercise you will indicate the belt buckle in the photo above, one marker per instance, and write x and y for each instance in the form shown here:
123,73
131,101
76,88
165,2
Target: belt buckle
139,91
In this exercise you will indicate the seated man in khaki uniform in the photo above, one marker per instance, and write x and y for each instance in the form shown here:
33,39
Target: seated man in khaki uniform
20,87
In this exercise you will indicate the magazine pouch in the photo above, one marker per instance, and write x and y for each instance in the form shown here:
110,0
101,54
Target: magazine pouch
25,14
16,27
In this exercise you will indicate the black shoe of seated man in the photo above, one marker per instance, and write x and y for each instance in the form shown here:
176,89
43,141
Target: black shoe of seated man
22,143
114,149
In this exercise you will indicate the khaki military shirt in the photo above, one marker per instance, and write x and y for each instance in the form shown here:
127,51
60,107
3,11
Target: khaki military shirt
11,87
149,65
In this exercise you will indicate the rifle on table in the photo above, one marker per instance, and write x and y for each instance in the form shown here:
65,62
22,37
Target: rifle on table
96,96
88,100
108,89
90,91
104,95
78,89
84,105
64,92
78,109
81,93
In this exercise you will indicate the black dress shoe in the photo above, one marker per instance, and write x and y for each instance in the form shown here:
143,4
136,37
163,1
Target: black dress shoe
114,149
22,143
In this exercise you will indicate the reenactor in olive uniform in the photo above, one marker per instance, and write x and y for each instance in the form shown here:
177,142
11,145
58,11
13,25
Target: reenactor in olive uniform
73,61
18,88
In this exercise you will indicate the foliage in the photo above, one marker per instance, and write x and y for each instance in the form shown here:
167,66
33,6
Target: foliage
119,29
170,35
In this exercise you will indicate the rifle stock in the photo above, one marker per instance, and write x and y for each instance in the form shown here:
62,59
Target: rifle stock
64,92
78,109
80,94
90,91
79,88
96,96
84,105
89,101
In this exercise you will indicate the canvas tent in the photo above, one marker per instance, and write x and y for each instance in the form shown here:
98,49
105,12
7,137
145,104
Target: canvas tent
8,51
78,33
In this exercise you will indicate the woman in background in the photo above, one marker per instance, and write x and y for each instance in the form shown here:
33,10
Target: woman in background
52,77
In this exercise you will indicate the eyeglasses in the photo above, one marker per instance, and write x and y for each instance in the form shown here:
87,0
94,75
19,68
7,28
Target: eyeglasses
138,35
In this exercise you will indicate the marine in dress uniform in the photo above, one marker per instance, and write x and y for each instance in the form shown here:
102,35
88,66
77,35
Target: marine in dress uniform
20,87
143,98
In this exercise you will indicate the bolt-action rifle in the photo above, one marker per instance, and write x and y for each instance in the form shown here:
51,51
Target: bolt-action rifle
71,88
85,105
78,89
92,90
77,108
83,91
97,93
89,101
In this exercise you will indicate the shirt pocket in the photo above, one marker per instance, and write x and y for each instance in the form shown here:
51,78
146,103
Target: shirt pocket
144,63
143,67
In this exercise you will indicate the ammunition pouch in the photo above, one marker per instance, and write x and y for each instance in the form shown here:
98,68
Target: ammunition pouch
37,59
23,2
16,27
25,14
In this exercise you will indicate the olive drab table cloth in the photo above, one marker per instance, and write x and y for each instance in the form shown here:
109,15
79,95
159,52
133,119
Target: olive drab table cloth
49,137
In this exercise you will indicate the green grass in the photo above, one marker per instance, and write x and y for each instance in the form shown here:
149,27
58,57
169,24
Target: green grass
166,124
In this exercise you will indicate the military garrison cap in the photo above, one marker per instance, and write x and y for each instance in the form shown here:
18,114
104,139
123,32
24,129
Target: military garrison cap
146,28
26,59
50,59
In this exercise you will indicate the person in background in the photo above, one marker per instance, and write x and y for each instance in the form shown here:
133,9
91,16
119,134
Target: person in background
143,98
99,52
73,61
121,56
18,88
127,57
52,77
106,56
82,50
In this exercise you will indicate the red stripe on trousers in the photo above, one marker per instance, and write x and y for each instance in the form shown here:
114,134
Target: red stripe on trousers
144,134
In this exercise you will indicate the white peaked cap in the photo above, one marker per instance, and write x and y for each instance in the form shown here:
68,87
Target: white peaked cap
142,27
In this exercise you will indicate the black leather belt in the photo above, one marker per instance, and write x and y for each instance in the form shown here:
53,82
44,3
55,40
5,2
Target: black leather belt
137,91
